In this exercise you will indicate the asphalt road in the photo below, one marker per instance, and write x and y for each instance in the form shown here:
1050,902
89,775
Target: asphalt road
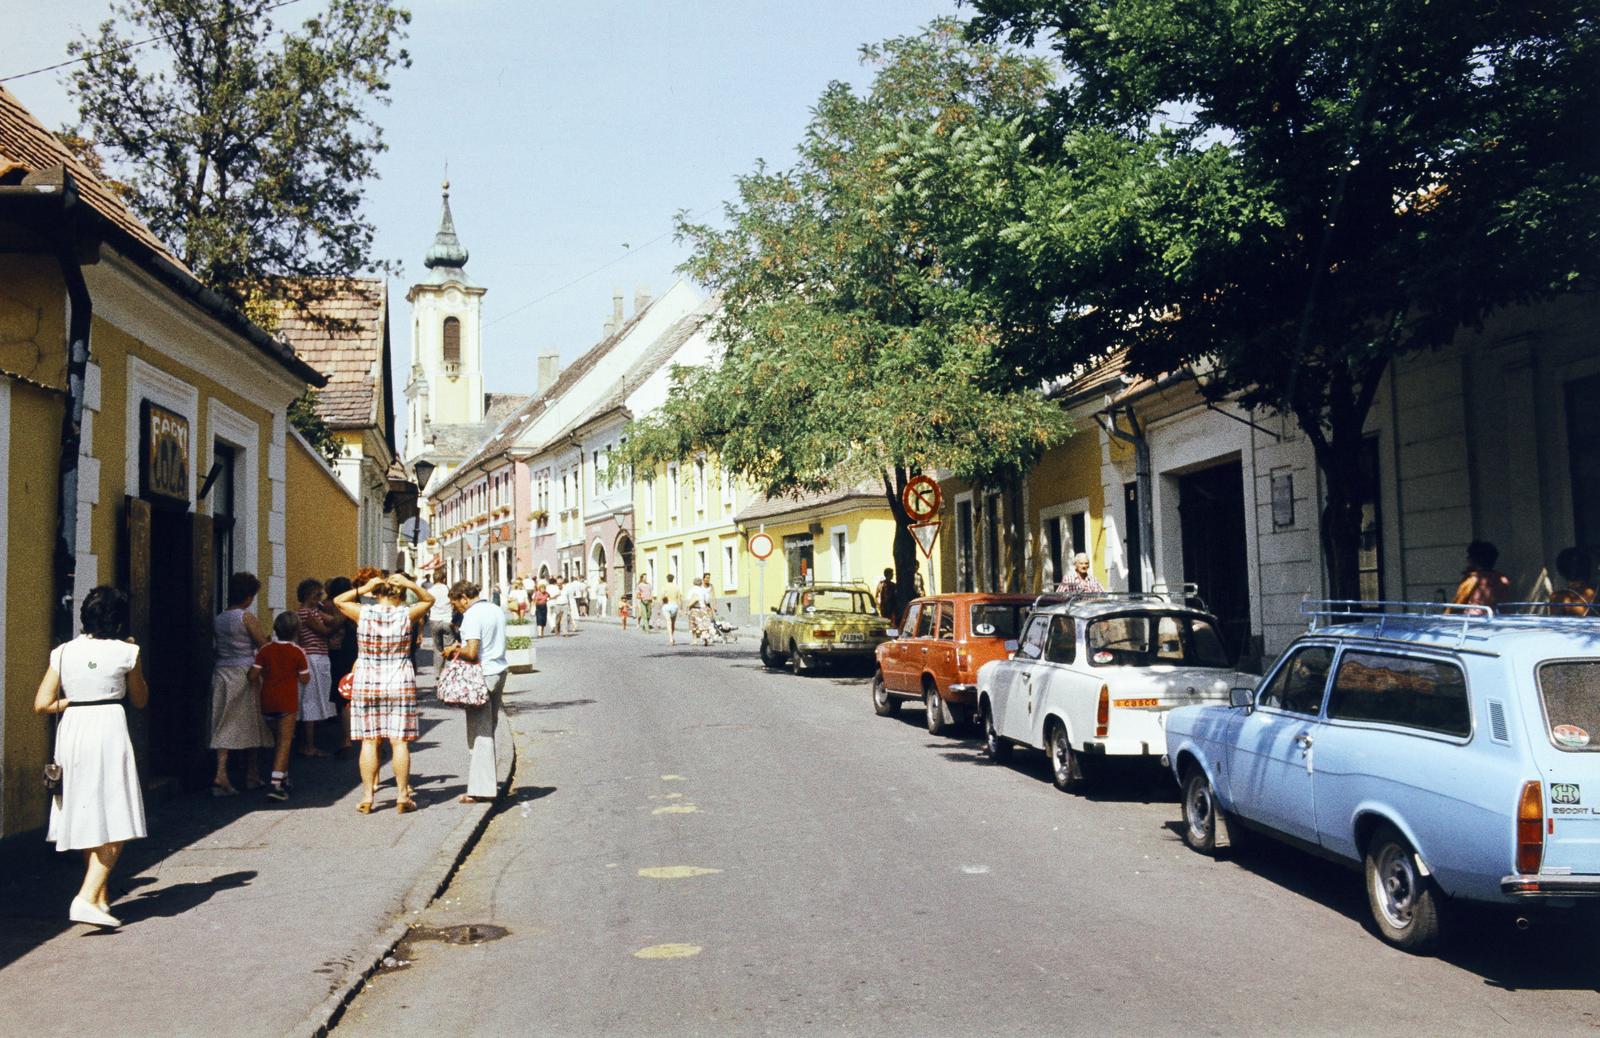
699,847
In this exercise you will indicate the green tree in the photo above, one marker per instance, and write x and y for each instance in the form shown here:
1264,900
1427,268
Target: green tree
1282,195
846,353
245,147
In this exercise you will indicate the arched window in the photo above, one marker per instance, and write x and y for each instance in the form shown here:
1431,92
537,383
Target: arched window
452,341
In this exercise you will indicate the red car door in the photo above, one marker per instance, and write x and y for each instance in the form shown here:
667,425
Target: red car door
898,658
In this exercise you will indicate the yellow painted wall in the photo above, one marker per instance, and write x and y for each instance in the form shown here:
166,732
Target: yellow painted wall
869,548
321,531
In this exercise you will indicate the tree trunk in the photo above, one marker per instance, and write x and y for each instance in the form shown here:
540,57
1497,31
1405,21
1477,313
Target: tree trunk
904,552
1340,462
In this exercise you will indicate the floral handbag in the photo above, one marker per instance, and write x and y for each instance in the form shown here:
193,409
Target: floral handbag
462,684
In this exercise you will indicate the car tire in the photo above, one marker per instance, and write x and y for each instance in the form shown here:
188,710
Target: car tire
1405,903
1201,816
769,659
1065,769
930,699
799,662
994,744
883,703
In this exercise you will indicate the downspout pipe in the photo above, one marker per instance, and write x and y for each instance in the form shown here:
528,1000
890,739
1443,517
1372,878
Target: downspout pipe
80,314
1134,436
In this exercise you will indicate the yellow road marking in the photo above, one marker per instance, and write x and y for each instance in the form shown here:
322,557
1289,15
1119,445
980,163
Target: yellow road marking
673,778
668,951
676,809
677,872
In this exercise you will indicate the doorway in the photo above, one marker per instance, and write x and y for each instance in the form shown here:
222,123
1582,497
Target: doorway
1211,513
625,553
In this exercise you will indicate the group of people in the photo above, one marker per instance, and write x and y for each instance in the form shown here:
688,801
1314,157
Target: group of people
1483,585
698,602
557,603
265,682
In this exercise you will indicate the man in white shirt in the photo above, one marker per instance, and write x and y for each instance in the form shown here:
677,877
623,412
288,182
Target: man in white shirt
577,601
439,618
483,641
559,601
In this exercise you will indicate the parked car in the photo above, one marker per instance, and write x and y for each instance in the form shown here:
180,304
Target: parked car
936,653
1095,676
817,623
1445,755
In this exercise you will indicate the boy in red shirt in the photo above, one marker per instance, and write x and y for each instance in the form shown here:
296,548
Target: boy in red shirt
280,669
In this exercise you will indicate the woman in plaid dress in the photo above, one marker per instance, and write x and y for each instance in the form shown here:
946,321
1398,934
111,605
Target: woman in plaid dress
383,700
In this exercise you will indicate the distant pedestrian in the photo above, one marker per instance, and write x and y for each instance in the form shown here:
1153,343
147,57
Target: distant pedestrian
342,650
599,596
577,601
698,601
316,697
383,701
235,708
483,641
1079,581
541,608
644,596
1576,597
559,607
671,600
519,600
281,674
888,597
439,617
1481,584
624,610
99,806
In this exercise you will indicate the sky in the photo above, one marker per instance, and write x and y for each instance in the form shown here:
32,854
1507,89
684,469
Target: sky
572,132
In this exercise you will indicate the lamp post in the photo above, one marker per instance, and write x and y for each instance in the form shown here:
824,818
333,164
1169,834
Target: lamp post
423,470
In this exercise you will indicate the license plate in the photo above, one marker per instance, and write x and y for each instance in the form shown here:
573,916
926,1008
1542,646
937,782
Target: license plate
852,636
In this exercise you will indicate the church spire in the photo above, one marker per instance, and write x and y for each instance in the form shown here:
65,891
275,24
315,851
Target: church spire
447,256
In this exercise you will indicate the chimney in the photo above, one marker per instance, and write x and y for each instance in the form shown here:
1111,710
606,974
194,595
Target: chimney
549,369
616,310
641,299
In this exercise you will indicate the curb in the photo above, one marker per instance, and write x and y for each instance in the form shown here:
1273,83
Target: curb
433,881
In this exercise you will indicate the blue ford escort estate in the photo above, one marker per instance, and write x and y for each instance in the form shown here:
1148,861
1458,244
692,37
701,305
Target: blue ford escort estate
1449,756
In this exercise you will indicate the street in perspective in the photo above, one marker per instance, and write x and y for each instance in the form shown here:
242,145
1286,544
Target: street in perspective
936,517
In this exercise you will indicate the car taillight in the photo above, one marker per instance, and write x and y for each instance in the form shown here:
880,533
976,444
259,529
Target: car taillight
1102,714
822,634
963,660
1530,828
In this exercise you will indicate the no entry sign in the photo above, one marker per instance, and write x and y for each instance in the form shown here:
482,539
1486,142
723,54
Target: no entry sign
760,545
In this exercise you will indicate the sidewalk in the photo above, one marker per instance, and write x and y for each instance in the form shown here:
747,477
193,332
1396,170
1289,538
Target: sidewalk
242,916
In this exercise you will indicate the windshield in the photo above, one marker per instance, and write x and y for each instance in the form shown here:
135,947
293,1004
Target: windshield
1571,691
1150,639
835,601
997,620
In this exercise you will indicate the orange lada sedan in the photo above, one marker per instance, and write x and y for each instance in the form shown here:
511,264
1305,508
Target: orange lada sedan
936,653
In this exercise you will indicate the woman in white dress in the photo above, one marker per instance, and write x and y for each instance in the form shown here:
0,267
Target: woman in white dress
99,805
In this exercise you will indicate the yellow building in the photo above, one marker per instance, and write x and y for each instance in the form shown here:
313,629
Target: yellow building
683,526
323,519
179,472
841,535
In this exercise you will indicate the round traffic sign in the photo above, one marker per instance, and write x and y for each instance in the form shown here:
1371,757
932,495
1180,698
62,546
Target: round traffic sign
760,545
921,497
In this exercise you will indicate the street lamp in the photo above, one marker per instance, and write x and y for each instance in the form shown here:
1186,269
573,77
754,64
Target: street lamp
423,470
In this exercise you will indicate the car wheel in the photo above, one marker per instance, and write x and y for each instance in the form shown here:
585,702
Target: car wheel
883,704
994,744
1405,904
799,662
769,659
1065,771
930,697
1200,817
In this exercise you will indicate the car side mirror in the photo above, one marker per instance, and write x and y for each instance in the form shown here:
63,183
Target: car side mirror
1011,646
892,632
1242,697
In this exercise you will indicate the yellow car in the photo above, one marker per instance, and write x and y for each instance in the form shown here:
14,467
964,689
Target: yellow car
822,622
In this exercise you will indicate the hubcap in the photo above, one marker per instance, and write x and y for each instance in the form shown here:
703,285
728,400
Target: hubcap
880,694
932,699
1199,808
1061,754
1397,885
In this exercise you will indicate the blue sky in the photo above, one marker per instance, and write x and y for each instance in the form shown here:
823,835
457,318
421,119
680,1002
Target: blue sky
570,130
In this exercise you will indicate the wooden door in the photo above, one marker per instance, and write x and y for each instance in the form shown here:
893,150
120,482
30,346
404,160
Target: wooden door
137,520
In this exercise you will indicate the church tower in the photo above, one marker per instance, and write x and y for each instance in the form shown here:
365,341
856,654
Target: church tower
446,383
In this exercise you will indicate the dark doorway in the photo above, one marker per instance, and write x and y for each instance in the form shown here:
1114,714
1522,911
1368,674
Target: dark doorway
1211,514
625,553
1130,517
178,715
797,552
1583,449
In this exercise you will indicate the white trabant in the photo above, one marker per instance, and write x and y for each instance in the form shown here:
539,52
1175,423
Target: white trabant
1093,676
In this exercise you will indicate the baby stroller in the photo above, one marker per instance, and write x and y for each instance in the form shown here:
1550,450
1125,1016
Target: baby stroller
725,631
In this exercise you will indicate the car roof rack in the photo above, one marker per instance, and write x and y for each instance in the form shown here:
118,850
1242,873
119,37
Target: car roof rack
1162,596
1330,612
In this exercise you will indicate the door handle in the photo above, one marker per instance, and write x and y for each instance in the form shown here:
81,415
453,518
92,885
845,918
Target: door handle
1304,740
924,650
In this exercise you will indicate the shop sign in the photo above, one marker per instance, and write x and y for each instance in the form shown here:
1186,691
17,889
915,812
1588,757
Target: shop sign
164,454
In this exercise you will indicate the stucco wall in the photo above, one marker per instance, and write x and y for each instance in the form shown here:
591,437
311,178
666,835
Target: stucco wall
322,520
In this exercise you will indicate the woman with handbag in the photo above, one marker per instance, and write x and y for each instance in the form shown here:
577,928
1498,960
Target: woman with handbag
383,697
236,722
98,806
482,645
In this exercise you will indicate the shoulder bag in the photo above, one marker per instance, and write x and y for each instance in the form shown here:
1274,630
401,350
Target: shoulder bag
462,684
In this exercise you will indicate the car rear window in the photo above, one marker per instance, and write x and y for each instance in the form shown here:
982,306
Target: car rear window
1150,639
1571,691
831,601
1408,691
996,620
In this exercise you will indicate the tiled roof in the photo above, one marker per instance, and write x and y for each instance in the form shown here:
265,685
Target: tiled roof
344,336
458,441
773,507
1107,377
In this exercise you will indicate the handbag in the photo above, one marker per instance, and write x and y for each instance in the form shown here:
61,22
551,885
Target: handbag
347,686
462,684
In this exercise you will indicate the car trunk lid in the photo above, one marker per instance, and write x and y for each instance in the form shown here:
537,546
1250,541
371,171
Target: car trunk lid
1566,746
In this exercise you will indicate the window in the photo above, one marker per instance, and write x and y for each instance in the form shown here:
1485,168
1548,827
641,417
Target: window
1298,684
1150,639
727,489
1369,557
788,604
222,522
841,544
1031,647
1571,708
730,572
672,490
912,616
964,576
1061,646
1401,690
702,563
797,552
995,620
700,485
675,567
650,499
925,621
594,472
452,342
947,623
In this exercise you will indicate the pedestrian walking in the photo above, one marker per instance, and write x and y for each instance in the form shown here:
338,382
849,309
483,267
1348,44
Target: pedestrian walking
578,597
1481,584
316,695
888,597
281,674
559,603
99,805
1576,597
383,699
342,649
541,607
644,596
440,631
1079,582
698,599
598,598
235,707
671,600
519,600
483,641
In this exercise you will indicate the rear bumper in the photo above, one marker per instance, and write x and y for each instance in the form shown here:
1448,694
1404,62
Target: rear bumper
1521,887
862,649
1124,748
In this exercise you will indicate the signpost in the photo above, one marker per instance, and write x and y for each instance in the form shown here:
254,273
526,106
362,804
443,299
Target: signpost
760,547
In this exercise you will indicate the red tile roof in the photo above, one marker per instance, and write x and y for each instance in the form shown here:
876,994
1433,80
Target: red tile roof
343,333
